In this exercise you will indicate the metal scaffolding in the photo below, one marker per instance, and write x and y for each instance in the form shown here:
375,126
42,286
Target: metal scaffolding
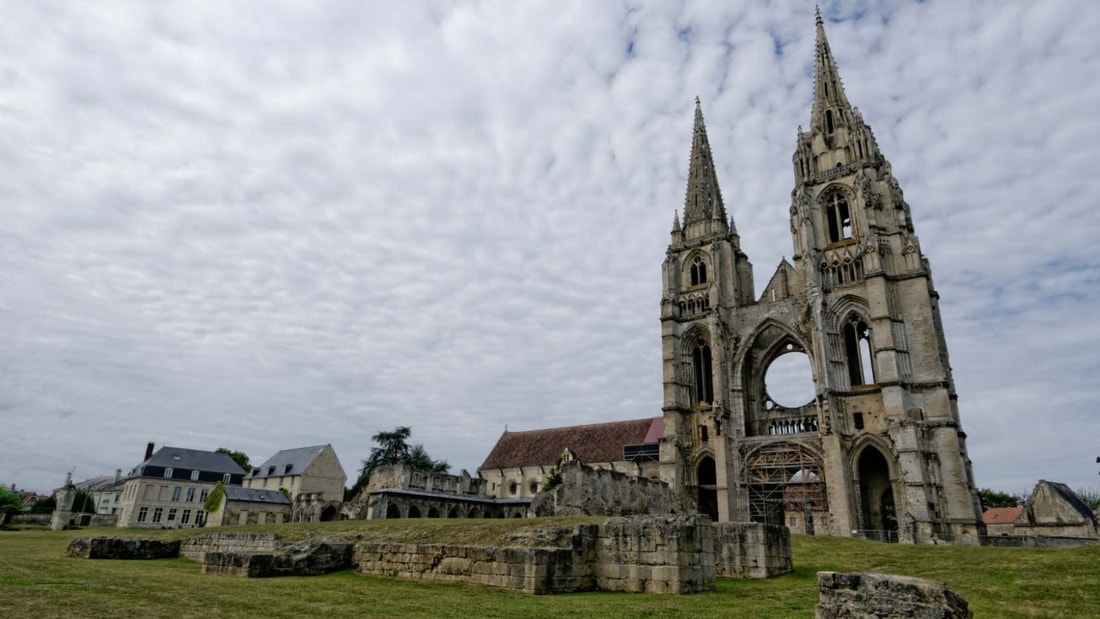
783,477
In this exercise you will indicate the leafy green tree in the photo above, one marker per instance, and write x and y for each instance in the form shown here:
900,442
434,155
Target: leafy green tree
992,498
239,457
214,499
44,506
10,503
393,448
83,503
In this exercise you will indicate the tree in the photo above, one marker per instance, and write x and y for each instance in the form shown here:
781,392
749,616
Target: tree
238,456
1091,497
83,503
992,498
10,502
393,448
45,505
214,499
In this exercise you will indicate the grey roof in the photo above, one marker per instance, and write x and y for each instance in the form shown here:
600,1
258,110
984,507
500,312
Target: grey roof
100,484
255,495
298,458
193,459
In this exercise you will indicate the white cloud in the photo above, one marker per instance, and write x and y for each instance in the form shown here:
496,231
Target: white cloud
227,226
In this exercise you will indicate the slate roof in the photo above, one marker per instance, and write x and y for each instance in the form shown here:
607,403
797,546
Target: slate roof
1002,515
598,442
193,459
253,495
298,459
99,484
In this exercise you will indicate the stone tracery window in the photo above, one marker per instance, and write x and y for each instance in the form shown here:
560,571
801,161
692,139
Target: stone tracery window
838,217
857,352
701,373
698,271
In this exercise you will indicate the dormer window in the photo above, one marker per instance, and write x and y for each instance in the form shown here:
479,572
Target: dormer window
194,475
698,271
168,473
271,470
288,467
838,217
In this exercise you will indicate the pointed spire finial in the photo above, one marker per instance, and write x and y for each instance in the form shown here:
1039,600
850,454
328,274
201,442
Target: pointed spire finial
830,107
817,14
676,220
703,200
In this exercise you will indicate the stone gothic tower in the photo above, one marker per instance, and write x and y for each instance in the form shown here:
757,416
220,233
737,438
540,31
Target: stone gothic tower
877,448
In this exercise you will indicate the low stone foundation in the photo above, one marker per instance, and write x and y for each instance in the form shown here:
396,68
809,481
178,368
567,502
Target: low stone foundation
197,547
886,596
1036,541
302,559
752,550
122,548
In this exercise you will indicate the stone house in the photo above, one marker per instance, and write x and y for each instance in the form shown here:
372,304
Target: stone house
1000,521
251,506
875,417
519,463
106,491
169,487
1053,510
313,476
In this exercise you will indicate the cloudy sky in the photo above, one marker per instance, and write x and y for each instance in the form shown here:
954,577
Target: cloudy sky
267,225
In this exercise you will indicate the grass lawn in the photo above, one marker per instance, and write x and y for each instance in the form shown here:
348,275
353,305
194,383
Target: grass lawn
36,580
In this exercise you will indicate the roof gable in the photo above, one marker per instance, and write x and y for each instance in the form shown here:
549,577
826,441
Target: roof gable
598,442
298,459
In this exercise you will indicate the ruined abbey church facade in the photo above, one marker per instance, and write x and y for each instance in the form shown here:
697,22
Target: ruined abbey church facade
879,448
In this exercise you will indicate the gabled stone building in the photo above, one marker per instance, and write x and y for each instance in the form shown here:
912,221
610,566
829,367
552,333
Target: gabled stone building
312,477
878,439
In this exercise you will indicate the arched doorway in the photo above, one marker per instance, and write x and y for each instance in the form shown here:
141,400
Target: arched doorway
414,511
433,512
329,513
393,512
706,478
878,516
453,513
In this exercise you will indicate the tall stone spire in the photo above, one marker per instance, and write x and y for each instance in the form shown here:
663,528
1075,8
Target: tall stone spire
703,201
831,108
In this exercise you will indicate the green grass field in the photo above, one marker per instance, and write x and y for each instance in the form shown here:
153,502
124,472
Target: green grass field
36,580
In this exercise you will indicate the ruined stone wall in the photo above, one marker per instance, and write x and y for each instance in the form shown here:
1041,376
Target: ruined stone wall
751,550
533,570
196,548
656,554
592,491
886,596
1036,541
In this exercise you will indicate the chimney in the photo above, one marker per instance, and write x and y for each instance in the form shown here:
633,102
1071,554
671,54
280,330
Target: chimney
118,475
148,451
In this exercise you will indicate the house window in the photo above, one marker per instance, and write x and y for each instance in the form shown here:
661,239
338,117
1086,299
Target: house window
202,495
226,478
186,519
194,475
838,217
200,518
270,470
168,473
143,514
287,470
698,271
172,515
157,513
176,493
190,494
701,369
857,351
513,487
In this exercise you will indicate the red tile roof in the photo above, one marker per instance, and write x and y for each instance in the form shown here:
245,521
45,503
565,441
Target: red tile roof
1001,515
598,442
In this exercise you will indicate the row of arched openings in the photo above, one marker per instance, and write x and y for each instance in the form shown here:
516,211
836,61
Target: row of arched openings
414,511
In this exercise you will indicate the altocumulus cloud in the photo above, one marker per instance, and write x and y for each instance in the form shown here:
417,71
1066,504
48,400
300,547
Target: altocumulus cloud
263,227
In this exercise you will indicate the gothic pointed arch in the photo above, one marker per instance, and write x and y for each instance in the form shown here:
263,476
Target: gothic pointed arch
699,364
705,473
848,327
783,478
873,471
837,205
764,414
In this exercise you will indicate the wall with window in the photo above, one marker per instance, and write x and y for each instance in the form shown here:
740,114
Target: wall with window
158,502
